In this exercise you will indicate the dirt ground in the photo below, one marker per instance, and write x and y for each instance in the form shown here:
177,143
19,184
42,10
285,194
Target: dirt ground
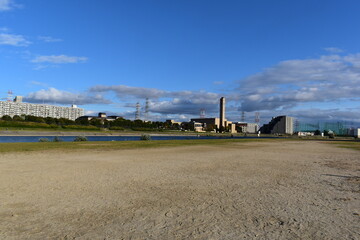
267,190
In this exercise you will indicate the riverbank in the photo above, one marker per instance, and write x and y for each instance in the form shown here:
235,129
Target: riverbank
45,132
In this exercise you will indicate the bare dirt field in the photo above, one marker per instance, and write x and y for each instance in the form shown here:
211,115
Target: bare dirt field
265,190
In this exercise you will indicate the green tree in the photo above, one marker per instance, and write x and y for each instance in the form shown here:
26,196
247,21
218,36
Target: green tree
17,118
82,121
96,122
6,118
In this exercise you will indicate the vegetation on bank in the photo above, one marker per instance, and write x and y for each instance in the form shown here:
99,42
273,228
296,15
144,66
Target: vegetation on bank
348,144
117,145
120,145
29,122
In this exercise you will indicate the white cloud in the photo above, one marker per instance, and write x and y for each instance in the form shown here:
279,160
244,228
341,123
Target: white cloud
6,5
59,59
333,50
53,95
49,39
13,40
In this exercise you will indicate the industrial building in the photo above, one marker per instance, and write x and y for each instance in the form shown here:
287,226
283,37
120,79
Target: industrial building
222,114
279,125
248,127
221,123
17,107
207,122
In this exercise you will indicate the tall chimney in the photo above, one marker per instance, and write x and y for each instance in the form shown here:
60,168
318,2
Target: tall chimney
222,114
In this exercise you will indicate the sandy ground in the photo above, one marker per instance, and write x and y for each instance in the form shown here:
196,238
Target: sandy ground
268,190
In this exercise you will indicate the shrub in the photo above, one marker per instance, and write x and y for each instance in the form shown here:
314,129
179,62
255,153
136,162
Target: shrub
78,127
145,137
80,139
44,140
117,128
57,139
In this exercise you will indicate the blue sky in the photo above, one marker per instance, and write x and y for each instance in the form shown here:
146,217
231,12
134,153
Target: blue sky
299,58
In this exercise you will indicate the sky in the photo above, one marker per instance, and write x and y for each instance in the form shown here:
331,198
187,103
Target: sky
279,57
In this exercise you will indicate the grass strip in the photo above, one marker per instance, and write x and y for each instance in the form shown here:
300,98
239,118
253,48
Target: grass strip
116,145
348,144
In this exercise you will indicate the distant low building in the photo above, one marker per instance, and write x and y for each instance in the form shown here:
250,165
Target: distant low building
101,116
357,133
172,122
304,134
279,125
248,127
198,127
17,107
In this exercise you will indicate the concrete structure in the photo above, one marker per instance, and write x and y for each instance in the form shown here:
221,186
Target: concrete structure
357,133
232,127
222,114
248,127
279,125
39,110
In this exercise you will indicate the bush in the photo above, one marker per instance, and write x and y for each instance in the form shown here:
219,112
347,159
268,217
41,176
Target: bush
57,139
117,128
80,139
145,137
44,140
78,127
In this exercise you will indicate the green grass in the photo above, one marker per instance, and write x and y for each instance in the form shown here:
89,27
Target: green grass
107,145
348,144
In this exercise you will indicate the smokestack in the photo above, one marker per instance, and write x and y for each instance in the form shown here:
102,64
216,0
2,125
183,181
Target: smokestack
222,114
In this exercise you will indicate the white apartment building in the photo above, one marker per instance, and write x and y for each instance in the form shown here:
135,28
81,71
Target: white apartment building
39,110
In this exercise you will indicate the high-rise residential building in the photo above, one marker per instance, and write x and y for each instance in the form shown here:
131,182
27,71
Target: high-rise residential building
17,107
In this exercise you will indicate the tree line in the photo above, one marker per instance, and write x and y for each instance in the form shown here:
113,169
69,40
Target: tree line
29,121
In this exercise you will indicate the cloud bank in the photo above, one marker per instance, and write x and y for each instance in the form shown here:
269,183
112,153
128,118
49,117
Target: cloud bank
309,89
165,102
290,83
53,95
